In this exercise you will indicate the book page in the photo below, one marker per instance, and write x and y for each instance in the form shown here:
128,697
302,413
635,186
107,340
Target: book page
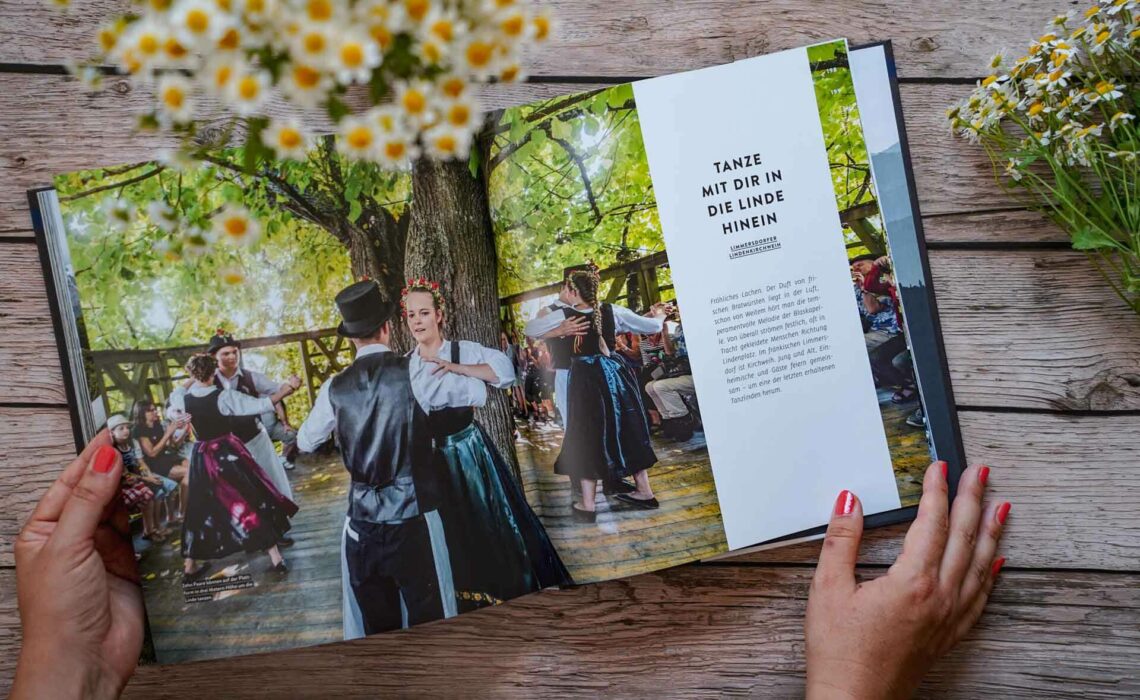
749,214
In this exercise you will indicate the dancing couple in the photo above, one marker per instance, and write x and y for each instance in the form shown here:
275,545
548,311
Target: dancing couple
436,523
606,434
239,497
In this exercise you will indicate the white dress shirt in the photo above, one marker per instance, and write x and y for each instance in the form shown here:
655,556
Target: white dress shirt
625,321
231,402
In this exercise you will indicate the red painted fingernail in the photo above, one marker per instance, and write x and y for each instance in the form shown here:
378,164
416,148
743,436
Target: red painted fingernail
945,470
1003,512
983,475
105,459
1000,562
845,503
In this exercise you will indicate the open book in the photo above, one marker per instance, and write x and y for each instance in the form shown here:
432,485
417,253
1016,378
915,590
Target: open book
648,324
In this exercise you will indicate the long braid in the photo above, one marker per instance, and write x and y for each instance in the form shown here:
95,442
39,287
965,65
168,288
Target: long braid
587,283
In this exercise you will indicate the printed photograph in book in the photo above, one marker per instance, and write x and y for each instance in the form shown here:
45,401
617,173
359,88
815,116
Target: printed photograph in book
610,442
316,446
874,291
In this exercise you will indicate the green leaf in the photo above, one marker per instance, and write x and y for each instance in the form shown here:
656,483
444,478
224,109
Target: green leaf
1089,238
336,108
560,129
354,210
126,273
475,160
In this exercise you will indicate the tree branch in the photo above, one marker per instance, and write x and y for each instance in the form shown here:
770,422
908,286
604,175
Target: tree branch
102,188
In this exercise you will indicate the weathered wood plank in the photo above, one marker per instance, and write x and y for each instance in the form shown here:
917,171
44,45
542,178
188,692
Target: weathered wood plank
735,629
1029,329
1072,480
643,37
93,129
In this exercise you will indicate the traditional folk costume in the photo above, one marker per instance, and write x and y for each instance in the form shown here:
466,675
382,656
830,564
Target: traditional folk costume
607,436
499,548
395,566
560,352
233,505
249,428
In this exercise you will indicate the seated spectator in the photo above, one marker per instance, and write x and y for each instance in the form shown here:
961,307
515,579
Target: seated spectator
671,386
136,471
877,300
161,443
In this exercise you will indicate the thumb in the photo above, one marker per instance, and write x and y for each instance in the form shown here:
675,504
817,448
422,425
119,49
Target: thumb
96,488
841,544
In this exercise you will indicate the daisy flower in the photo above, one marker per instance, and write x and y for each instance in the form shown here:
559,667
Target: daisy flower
218,74
477,57
231,275
397,151
459,114
357,138
354,58
162,215
174,98
415,100
141,45
305,85
451,85
196,242
416,11
313,45
235,225
1118,119
248,91
198,23
287,138
1107,91
541,26
444,142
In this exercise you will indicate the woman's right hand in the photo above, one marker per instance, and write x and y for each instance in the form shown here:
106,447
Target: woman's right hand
877,639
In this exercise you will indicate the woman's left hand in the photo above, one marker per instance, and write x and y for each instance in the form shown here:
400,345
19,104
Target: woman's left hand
77,584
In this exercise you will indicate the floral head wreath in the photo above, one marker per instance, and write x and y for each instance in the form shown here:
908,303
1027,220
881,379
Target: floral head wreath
421,284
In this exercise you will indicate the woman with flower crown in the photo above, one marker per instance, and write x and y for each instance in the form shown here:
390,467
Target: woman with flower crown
607,437
497,545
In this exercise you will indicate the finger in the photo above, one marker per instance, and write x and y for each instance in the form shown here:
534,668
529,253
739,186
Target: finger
836,567
982,558
964,517
51,505
84,509
926,539
978,604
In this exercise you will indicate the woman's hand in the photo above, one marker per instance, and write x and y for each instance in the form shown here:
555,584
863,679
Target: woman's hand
578,325
877,639
77,585
443,366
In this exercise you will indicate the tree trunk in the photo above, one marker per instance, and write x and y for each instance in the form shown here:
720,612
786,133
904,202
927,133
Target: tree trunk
376,251
450,241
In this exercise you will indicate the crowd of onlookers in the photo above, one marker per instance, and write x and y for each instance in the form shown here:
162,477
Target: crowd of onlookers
883,330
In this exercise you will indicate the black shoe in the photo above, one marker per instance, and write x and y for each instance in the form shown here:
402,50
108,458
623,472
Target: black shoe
679,429
647,504
584,516
285,542
280,567
916,419
198,574
619,486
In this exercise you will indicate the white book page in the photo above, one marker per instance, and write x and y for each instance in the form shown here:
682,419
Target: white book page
746,203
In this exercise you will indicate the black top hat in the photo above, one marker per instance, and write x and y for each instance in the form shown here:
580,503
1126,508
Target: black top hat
220,340
363,309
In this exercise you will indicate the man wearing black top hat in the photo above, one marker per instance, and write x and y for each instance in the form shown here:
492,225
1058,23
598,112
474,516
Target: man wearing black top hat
394,563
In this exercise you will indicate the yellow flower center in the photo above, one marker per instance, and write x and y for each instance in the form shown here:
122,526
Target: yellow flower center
417,8
513,25
359,137
1036,109
541,27
248,88
232,277
306,77
443,28
222,75
235,226
459,114
1055,75
1104,87
452,87
107,40
173,97
1092,11
479,53
148,44
319,10
174,49
446,143
255,7
510,73
431,51
387,122
230,41
989,81
314,43
289,138
160,5
395,149
197,21
352,55
414,101
1103,36
381,35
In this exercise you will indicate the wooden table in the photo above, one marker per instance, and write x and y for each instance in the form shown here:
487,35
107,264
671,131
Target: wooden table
1044,359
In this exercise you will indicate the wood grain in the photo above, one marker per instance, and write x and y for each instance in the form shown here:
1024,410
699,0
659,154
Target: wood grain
644,37
695,631
1023,328
1072,480
88,129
